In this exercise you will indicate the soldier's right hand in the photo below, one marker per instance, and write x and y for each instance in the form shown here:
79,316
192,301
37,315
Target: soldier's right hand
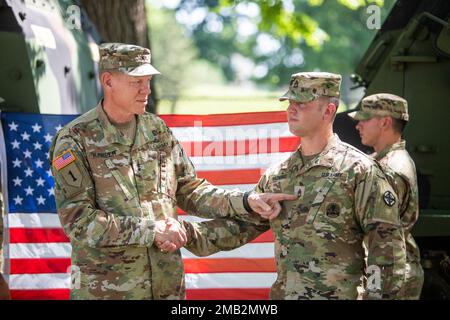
170,233
267,205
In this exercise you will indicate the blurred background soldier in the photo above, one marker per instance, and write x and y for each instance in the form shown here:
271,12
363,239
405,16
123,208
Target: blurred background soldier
381,121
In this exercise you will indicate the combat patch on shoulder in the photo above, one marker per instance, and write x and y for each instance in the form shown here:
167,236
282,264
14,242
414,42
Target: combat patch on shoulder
389,198
63,160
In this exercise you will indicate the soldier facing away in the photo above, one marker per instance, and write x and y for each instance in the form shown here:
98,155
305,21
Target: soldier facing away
381,121
343,198
119,175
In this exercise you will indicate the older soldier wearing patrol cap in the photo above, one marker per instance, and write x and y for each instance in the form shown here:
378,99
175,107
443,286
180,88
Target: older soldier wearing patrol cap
119,175
381,121
343,197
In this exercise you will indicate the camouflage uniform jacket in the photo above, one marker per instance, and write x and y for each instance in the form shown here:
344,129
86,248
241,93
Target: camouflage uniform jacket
109,191
397,159
343,197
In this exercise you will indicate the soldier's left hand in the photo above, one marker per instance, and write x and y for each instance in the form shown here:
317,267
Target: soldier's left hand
267,205
166,246
169,235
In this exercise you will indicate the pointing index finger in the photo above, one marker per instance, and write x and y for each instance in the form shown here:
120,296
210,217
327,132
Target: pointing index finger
282,196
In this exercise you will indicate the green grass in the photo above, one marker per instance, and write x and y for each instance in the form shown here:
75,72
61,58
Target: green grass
210,99
220,105
225,99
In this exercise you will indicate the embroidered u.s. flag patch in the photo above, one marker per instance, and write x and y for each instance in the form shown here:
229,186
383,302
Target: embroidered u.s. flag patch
63,160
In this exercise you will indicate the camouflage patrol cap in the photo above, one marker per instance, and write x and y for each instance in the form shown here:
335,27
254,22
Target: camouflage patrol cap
127,58
307,86
382,105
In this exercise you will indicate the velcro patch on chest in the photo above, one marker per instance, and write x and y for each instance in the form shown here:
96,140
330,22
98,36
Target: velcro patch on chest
335,175
64,159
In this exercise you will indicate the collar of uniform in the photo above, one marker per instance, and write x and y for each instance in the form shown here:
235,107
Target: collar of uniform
325,158
111,133
145,131
401,145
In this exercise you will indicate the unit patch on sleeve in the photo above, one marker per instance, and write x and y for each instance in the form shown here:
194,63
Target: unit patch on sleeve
389,198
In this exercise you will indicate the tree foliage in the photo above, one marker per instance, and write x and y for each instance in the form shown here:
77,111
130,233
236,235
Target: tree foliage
290,36
121,21
172,53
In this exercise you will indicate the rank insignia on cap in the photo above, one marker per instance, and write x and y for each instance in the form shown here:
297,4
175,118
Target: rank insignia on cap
63,160
389,198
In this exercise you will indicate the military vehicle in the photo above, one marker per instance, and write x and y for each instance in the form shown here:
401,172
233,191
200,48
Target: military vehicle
47,58
410,57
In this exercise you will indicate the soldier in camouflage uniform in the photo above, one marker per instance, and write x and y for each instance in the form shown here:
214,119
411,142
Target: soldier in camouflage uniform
119,175
381,120
343,197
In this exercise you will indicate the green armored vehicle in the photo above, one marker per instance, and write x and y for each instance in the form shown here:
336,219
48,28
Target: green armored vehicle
410,57
47,57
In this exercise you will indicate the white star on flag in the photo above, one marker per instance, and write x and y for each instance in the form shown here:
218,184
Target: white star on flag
18,200
17,181
59,127
48,137
29,191
49,172
51,191
15,144
37,146
39,163
40,182
28,172
36,128
25,136
27,154
40,200
13,126
16,163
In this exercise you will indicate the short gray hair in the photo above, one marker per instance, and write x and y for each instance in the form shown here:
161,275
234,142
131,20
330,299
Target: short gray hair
333,100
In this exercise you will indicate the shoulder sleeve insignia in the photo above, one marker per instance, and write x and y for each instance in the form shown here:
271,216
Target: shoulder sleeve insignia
63,160
389,198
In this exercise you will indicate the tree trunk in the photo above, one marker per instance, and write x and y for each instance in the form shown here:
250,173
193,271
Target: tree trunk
121,21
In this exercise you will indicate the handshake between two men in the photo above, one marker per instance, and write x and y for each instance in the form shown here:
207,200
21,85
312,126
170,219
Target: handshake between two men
170,235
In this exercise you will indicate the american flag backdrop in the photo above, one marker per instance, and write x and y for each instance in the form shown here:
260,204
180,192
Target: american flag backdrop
230,150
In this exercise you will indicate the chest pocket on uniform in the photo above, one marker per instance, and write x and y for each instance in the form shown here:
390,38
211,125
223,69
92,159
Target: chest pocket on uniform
329,180
123,183
149,169
332,208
